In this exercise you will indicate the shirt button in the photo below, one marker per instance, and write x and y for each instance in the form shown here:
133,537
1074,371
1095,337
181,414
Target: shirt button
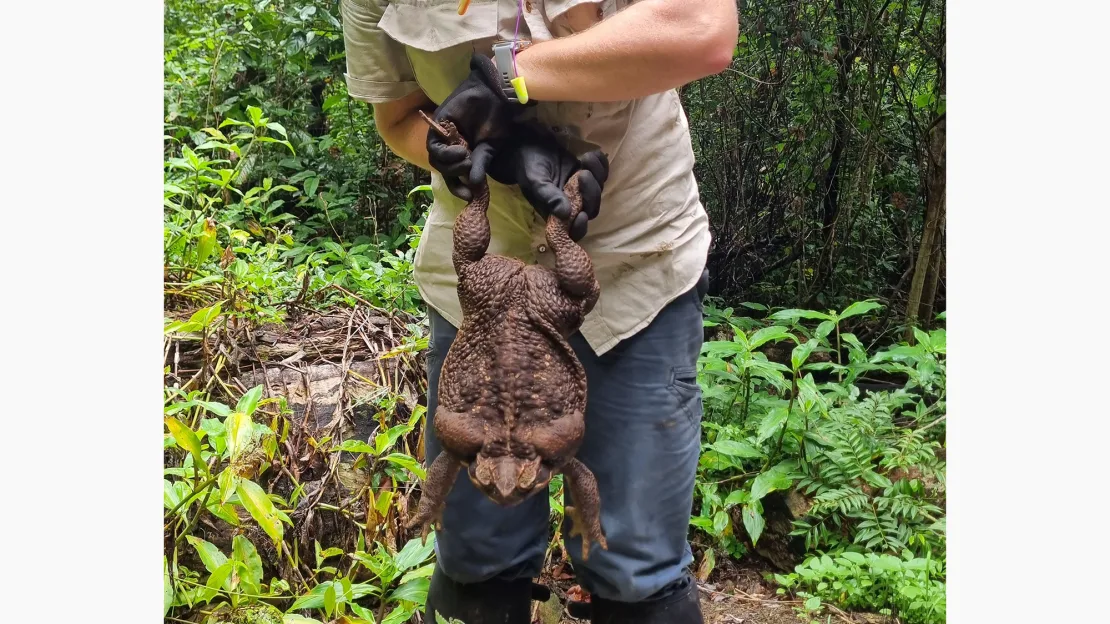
543,248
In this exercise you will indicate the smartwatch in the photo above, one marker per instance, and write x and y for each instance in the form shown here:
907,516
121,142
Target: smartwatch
503,52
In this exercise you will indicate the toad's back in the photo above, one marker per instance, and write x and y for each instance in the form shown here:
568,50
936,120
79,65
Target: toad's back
510,362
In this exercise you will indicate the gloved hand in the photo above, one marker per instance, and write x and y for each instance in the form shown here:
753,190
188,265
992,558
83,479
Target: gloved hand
533,159
481,112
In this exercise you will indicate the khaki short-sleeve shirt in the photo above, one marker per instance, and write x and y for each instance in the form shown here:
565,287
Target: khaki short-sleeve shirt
650,240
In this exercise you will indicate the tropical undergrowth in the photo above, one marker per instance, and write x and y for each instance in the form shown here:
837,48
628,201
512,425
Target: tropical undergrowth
281,204
851,434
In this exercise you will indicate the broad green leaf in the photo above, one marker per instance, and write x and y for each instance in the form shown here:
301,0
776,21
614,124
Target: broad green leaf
266,139
413,554
854,557
776,478
310,186
383,441
210,556
224,512
228,481
278,128
239,428
261,508
329,599
938,341
737,497
887,563
702,523
808,395
406,462
720,521
363,612
218,409
249,401
767,334
852,340
753,522
736,448
792,314
399,614
824,329
813,603
314,599
243,551
802,352
170,496
415,590
355,446
219,579
712,460
424,571
205,316
423,188
772,423
859,307
187,440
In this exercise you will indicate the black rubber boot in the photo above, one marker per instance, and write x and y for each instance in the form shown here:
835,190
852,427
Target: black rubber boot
676,604
490,602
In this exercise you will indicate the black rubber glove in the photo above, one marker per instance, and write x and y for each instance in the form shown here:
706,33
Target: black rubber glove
533,159
481,112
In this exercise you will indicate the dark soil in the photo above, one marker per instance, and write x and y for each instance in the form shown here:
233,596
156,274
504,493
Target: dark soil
737,593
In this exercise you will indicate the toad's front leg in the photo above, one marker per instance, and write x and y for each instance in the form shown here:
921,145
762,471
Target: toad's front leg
585,515
441,476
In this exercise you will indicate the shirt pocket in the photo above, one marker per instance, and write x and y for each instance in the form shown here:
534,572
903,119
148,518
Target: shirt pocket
439,42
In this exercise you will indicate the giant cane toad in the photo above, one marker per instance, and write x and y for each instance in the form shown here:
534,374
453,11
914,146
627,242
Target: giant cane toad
512,393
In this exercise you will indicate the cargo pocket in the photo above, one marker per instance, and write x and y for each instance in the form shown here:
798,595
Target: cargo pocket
684,384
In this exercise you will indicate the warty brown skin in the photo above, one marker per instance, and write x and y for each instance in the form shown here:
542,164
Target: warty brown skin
512,393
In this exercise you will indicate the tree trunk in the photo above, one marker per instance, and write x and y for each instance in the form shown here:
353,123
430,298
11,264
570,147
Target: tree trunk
931,231
932,278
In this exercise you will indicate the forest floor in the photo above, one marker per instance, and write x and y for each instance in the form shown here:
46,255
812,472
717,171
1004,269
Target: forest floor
738,594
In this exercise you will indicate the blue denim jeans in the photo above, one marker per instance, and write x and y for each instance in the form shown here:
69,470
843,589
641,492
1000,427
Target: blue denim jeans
643,436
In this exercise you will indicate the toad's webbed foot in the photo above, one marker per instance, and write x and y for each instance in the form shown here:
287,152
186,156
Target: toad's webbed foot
585,515
441,476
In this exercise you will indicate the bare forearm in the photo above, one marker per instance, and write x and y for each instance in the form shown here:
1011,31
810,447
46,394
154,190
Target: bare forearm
650,47
401,127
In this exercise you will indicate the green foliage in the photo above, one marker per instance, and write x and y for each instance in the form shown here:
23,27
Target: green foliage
279,198
909,587
867,465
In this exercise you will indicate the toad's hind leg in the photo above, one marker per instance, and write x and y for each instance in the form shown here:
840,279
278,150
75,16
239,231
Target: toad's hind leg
585,515
573,268
441,476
